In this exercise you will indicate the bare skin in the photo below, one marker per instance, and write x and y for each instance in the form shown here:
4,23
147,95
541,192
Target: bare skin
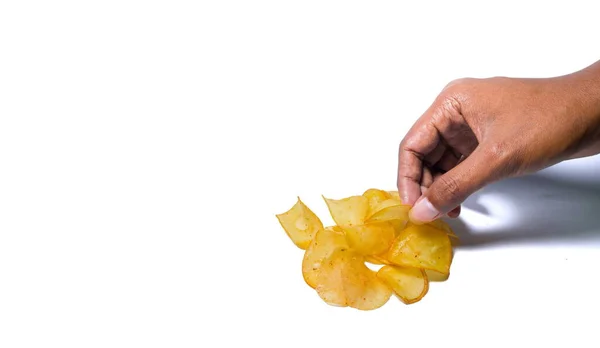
478,131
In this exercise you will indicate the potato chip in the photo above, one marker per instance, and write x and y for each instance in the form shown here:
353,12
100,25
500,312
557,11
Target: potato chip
348,211
399,225
376,260
345,281
375,198
409,284
394,211
325,243
300,223
331,277
422,246
363,289
434,276
444,226
370,239
395,195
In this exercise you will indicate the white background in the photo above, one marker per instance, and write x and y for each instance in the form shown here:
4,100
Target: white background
146,146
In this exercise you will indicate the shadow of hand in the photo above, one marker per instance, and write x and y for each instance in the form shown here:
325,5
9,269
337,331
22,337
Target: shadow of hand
534,209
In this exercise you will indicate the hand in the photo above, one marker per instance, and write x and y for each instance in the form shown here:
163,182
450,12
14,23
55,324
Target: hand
479,131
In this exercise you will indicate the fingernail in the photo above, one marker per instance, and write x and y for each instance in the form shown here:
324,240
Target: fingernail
423,212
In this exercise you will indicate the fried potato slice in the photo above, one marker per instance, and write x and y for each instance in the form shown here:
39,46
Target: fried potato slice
399,225
375,198
391,211
348,211
323,245
363,289
345,281
409,284
300,223
395,195
370,239
434,276
422,246
331,277
376,260
444,226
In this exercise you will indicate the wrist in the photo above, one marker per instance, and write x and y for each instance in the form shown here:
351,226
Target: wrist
584,86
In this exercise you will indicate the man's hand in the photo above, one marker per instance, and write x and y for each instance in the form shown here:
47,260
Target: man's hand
479,131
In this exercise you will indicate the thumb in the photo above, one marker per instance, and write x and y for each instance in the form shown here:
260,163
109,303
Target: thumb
451,189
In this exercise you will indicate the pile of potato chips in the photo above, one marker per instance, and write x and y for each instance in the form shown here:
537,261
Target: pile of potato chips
374,228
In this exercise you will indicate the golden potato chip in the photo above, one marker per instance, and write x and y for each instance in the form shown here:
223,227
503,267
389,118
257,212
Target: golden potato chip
399,225
422,246
348,211
409,284
383,205
395,195
394,211
444,226
376,260
300,224
375,198
440,225
434,276
325,242
344,280
331,277
363,289
370,239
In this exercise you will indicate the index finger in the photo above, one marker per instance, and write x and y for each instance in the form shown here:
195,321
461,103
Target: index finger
420,140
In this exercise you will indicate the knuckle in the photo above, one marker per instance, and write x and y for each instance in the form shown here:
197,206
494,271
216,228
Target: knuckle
410,177
403,144
498,152
451,107
407,148
448,115
457,93
458,84
498,79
